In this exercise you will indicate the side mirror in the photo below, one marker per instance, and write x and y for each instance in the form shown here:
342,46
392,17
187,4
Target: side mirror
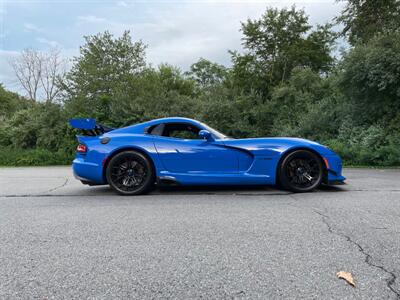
206,135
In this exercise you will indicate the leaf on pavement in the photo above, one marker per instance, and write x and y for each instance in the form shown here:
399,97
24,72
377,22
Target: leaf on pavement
346,276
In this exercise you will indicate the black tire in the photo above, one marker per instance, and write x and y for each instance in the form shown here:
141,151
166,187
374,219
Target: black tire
130,173
301,171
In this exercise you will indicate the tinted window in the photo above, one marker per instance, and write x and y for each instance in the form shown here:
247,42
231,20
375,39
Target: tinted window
156,129
176,130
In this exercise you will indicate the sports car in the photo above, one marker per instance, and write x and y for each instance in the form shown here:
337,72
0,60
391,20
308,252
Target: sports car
182,151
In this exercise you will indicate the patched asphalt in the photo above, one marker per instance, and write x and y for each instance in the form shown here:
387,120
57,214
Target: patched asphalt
61,239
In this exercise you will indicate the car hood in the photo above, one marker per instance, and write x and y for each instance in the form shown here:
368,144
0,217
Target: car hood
275,145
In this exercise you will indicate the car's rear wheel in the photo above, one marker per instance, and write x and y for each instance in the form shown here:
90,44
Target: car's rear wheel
301,171
130,173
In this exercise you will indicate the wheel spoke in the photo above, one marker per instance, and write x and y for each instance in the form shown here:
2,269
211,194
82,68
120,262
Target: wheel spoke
128,173
307,176
302,171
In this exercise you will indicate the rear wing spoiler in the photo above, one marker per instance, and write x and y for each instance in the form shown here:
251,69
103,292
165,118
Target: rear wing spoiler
89,126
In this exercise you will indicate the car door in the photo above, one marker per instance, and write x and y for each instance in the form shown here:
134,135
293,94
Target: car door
183,153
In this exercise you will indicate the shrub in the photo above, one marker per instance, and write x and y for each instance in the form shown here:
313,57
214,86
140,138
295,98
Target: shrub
33,157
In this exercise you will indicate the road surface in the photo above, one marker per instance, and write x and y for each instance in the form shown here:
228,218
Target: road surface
61,239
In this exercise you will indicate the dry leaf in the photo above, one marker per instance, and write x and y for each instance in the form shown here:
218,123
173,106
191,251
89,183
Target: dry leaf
346,276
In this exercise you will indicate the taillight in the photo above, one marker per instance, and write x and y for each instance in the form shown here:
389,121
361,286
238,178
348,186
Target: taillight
81,148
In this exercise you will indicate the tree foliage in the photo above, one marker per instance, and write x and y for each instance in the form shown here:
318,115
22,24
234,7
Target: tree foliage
105,66
363,19
285,82
370,79
207,73
275,44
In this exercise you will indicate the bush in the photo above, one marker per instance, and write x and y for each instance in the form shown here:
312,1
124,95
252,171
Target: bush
33,157
362,155
352,107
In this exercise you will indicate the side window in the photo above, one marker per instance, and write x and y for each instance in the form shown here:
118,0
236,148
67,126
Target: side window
181,131
156,129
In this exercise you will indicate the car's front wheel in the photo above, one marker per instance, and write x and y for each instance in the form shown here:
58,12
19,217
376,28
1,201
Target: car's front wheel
301,171
130,173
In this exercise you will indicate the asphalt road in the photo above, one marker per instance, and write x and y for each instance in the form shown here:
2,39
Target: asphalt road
61,239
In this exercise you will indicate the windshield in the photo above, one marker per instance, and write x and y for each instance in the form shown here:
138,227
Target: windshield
215,133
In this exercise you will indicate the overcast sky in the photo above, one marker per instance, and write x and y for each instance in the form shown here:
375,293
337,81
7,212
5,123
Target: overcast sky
177,32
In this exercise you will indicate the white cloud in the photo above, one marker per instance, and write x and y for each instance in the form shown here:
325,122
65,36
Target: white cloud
91,19
181,36
177,32
48,42
29,27
7,76
122,3
182,33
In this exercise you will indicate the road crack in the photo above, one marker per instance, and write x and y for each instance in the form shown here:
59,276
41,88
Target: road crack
58,187
368,258
39,194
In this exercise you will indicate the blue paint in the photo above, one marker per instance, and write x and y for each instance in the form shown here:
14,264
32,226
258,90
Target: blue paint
214,160
86,124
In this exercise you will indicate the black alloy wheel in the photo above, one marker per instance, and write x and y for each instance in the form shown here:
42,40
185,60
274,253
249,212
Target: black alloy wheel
301,171
130,173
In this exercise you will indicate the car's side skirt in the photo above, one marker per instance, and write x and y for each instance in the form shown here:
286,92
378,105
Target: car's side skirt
197,178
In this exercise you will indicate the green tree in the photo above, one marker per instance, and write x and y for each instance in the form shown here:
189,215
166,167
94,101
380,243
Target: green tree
156,92
105,65
308,106
363,19
207,73
278,42
284,83
370,78
10,103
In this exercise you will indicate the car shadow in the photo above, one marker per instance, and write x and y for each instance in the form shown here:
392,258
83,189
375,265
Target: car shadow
105,190
216,189
240,190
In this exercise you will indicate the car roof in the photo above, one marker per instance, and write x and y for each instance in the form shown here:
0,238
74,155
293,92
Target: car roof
171,120
139,128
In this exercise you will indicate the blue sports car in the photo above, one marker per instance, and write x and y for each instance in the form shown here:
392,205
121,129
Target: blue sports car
187,152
